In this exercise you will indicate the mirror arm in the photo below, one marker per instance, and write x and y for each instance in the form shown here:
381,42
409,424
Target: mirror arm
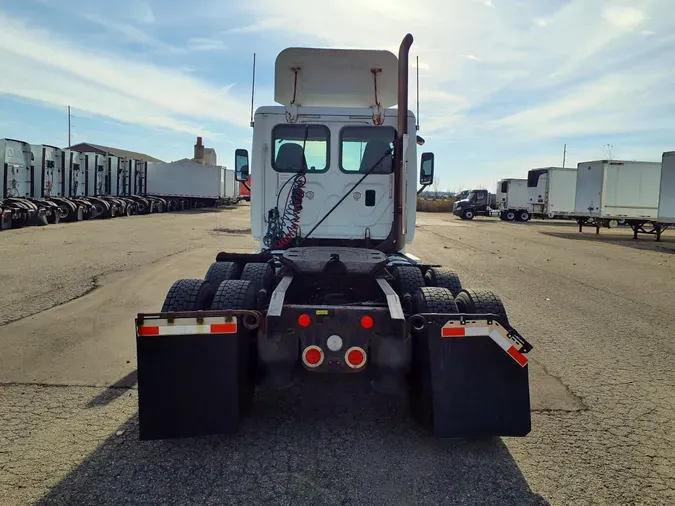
422,189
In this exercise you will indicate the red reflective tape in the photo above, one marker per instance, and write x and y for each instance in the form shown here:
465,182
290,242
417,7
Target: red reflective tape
517,356
148,331
223,328
453,332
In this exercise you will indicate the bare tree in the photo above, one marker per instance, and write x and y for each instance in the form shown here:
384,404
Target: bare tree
436,184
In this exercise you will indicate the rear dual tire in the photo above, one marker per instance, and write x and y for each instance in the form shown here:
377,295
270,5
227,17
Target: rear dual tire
429,384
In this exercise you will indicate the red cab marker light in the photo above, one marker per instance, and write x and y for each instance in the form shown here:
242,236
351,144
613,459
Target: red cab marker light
355,357
304,320
312,356
366,322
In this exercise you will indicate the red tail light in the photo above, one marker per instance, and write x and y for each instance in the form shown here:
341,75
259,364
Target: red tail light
312,356
304,320
355,357
366,322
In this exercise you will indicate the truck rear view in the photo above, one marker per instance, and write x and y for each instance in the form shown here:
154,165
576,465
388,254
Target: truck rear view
331,288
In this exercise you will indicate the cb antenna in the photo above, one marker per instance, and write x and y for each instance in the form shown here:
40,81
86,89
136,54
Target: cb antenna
252,90
417,65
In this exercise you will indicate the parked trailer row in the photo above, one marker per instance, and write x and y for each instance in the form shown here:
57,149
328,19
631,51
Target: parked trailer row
602,193
44,184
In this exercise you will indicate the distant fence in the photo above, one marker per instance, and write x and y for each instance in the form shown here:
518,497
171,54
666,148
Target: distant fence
435,206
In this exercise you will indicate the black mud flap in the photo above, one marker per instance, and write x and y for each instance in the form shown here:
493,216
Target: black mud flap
187,385
479,390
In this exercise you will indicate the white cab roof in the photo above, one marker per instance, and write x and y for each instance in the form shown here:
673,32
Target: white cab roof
336,77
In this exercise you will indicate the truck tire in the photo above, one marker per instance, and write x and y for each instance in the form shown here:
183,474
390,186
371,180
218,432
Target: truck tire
481,302
221,271
189,295
407,279
445,278
261,276
509,215
430,299
467,214
523,216
241,294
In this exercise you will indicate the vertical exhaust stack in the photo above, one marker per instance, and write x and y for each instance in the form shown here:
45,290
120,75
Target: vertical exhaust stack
399,184
199,151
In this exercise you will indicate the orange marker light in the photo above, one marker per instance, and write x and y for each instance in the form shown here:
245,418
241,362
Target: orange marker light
304,320
366,322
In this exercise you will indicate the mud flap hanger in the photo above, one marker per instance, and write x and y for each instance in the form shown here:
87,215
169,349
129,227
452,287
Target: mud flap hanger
474,325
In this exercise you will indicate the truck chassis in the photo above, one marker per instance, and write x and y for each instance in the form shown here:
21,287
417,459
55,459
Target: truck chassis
255,320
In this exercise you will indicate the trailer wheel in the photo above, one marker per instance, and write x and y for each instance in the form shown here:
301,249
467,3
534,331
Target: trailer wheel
222,271
261,275
189,295
445,278
407,279
523,216
481,302
430,299
467,215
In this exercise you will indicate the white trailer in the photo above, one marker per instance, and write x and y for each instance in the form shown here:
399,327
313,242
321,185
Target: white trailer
666,213
551,192
185,185
230,186
613,191
513,200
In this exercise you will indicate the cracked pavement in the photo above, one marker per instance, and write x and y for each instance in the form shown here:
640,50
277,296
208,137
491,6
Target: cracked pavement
603,387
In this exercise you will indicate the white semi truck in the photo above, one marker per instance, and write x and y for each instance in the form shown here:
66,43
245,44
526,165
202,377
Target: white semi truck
331,287
551,192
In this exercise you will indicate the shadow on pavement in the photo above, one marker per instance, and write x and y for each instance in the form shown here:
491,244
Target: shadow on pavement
329,442
644,242
115,391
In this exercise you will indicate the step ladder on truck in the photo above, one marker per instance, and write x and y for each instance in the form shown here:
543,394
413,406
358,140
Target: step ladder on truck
331,288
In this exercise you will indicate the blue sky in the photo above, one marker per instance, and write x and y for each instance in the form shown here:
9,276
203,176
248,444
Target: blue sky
504,84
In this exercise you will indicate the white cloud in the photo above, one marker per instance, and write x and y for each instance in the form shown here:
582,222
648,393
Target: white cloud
57,73
203,44
541,22
627,18
472,57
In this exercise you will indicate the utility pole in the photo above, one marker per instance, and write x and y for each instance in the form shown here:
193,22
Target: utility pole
564,154
69,126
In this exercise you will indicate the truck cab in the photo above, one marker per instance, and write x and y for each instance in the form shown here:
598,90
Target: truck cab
331,145
476,203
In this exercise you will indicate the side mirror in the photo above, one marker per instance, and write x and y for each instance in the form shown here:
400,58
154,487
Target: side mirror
241,165
427,169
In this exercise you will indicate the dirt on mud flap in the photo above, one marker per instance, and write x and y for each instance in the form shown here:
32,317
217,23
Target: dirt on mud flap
479,375
193,374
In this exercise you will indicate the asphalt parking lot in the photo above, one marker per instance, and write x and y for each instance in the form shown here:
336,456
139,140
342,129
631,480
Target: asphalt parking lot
596,308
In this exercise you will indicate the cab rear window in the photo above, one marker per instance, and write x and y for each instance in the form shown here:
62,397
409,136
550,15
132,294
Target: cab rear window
288,142
362,147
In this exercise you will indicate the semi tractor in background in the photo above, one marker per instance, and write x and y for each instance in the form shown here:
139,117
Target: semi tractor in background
474,203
